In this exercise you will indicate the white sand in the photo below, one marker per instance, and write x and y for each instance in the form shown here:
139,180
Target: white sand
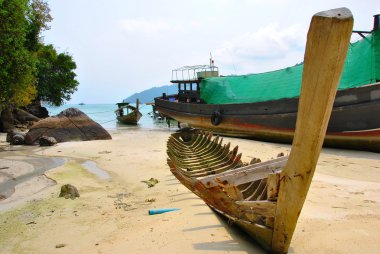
341,213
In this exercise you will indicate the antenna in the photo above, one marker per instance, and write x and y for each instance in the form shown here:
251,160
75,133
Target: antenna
211,62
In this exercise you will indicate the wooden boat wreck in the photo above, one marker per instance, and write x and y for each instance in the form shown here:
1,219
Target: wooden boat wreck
265,199
132,114
264,106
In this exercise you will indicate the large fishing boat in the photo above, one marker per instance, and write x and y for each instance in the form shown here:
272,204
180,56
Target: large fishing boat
264,106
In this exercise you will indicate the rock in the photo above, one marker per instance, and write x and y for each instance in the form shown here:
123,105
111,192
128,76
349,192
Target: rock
15,138
18,139
69,125
36,109
7,120
151,182
69,191
255,160
60,245
23,127
9,136
23,117
47,141
280,155
16,118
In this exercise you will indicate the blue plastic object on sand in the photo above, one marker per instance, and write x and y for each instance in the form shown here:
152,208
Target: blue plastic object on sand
163,210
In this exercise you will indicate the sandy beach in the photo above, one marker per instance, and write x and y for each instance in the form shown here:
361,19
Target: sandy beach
341,213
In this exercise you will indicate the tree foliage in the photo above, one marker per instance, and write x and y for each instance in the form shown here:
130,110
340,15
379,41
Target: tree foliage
17,64
38,16
29,69
56,76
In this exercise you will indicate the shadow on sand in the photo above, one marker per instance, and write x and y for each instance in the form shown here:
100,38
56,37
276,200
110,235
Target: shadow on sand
240,240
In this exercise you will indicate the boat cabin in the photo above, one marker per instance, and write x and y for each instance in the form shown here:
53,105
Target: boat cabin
189,78
122,106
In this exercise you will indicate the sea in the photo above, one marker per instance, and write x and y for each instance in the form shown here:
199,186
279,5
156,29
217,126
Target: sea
104,114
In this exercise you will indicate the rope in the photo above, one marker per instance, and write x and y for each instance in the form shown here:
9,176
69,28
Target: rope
100,112
108,111
87,113
108,121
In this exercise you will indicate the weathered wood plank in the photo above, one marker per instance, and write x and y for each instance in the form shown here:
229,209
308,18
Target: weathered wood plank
273,183
269,222
326,48
245,174
264,208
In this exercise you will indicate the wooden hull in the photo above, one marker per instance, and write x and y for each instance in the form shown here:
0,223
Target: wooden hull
131,118
206,170
354,123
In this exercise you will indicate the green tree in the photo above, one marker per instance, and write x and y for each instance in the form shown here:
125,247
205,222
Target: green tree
56,76
29,69
38,16
17,65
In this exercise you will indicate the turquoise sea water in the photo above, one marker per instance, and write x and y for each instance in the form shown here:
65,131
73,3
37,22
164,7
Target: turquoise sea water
104,115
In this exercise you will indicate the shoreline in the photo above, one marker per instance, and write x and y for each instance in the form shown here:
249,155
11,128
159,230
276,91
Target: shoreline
341,213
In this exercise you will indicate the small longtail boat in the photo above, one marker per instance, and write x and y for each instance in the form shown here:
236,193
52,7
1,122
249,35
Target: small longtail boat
265,199
132,114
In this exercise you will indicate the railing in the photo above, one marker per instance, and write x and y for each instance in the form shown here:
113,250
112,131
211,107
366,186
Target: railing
188,73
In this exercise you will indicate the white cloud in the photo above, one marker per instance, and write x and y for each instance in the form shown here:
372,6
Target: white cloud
269,2
149,27
131,37
272,43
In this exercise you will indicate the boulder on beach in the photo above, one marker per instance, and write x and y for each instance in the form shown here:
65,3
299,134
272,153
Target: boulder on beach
12,119
69,125
47,141
37,109
6,120
15,137
69,191
24,117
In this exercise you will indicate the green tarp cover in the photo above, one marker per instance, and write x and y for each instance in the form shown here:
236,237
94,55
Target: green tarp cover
362,67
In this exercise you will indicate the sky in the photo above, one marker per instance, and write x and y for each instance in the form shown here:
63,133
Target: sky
122,46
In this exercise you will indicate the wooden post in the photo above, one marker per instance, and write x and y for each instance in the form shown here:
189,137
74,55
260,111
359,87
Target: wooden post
326,48
137,104
272,189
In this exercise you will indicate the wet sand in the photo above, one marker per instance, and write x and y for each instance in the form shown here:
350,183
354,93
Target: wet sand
19,166
341,213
